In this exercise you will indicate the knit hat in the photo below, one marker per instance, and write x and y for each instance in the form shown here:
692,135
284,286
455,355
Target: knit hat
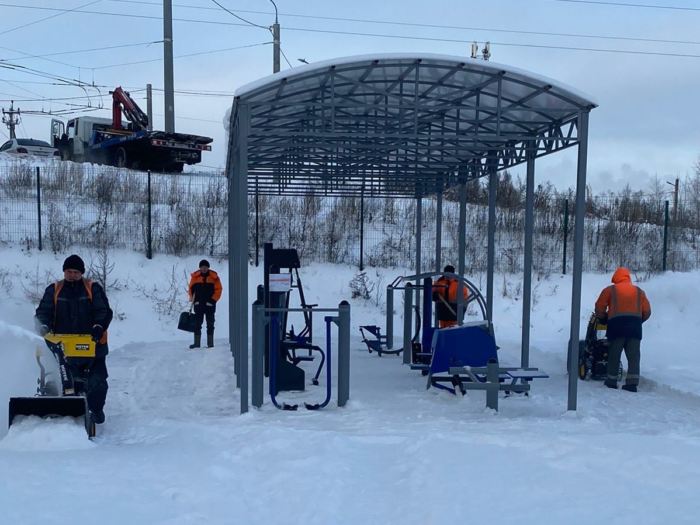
449,269
204,262
74,262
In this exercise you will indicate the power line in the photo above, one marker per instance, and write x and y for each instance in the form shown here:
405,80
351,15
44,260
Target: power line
78,51
48,17
285,58
440,26
199,53
622,4
240,17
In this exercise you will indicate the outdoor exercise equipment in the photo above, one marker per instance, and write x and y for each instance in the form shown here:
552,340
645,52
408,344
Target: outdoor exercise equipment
278,352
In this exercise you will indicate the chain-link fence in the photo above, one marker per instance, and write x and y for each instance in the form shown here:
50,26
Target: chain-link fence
61,205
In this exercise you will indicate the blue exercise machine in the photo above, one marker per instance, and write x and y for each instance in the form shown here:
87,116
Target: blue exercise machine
279,352
459,358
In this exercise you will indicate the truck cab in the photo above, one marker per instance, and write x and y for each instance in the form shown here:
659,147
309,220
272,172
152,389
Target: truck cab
73,139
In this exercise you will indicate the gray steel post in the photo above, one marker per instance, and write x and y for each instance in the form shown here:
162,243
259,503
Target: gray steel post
238,249
491,248
492,383
275,47
389,317
566,234
149,106
362,230
462,234
527,262
258,354
419,248
663,261
149,221
407,315
38,203
578,258
343,353
438,234
168,76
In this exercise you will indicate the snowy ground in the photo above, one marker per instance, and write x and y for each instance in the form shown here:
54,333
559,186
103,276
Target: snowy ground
174,449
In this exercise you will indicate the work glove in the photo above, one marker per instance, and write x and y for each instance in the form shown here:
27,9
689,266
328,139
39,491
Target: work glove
97,332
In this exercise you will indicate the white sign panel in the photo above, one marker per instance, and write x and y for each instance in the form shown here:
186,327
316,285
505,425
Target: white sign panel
280,282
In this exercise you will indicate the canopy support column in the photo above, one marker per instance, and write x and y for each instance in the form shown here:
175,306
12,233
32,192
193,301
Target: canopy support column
578,258
491,248
527,263
238,250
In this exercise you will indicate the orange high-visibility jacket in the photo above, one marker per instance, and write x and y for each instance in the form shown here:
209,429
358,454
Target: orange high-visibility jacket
205,288
624,305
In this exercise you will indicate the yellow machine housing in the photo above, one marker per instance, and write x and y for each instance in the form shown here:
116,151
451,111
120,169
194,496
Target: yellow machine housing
73,345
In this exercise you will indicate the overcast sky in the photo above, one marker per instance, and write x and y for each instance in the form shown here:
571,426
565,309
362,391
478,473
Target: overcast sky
646,125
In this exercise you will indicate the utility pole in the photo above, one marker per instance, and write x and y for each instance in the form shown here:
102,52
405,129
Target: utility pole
275,42
149,106
168,81
11,118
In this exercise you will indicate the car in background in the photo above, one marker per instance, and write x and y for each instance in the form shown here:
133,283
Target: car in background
40,148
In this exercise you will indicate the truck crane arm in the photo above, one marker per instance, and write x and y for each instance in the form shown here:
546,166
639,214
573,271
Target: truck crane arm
122,102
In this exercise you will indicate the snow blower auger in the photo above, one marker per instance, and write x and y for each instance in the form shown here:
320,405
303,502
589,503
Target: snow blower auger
67,395
593,352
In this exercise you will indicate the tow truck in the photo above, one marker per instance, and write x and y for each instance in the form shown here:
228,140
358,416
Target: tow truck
105,141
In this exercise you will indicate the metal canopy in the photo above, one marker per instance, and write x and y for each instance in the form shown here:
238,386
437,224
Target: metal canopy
399,125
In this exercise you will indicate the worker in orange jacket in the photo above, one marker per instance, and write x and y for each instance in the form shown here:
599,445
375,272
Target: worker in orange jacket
624,307
445,293
204,291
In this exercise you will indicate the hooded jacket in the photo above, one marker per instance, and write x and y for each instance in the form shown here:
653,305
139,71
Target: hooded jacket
624,305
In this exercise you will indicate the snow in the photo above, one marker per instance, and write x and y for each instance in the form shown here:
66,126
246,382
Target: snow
493,67
174,449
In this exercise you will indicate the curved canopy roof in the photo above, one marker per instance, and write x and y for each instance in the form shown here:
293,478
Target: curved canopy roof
397,124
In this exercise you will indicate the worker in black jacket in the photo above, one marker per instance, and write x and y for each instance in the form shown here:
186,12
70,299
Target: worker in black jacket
76,305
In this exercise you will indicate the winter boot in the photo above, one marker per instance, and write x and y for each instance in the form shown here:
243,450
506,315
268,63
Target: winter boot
210,339
197,341
98,416
611,384
629,388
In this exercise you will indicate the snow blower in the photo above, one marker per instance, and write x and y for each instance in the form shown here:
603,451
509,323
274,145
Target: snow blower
64,396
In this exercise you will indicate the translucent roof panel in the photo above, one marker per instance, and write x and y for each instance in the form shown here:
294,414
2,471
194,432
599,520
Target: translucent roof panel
398,125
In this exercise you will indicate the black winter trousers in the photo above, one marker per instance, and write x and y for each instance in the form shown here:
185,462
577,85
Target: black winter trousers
97,384
200,312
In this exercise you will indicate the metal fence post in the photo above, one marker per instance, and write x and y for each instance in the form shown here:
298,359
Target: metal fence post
407,313
362,230
38,204
149,222
663,263
389,317
257,225
343,353
566,234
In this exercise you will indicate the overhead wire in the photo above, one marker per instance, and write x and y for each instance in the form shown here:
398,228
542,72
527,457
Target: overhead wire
623,4
187,55
48,17
440,26
408,37
240,17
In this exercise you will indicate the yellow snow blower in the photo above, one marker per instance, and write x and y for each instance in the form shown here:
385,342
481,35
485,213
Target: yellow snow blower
64,396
